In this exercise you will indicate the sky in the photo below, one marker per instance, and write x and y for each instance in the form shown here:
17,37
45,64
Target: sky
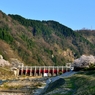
76,14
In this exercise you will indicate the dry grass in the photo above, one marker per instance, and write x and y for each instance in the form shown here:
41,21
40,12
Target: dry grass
6,73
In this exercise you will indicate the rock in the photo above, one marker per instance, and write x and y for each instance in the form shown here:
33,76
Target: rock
68,55
3,62
15,62
1,57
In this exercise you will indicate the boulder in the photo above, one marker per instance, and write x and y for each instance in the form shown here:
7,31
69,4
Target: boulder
3,62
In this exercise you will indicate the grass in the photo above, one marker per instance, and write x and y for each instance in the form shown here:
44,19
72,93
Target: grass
82,83
6,86
55,85
85,83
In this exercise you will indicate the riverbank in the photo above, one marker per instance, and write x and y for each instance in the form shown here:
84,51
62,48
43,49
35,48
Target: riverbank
50,83
23,85
27,84
81,83
69,83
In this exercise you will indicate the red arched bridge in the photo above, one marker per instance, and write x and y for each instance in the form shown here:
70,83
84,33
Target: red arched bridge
43,70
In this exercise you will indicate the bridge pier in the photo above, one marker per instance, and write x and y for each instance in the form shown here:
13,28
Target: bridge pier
35,72
26,70
57,70
22,71
39,71
31,71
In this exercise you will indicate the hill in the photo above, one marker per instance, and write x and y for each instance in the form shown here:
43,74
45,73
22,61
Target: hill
88,34
36,42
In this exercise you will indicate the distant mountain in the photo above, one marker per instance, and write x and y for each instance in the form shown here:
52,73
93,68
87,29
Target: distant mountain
40,42
88,34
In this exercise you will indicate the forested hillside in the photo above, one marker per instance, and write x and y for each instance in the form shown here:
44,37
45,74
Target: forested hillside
88,34
41,42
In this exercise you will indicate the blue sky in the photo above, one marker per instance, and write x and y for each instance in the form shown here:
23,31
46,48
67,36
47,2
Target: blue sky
76,14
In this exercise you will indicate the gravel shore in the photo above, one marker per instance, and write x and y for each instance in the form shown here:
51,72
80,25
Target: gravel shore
34,86
21,86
